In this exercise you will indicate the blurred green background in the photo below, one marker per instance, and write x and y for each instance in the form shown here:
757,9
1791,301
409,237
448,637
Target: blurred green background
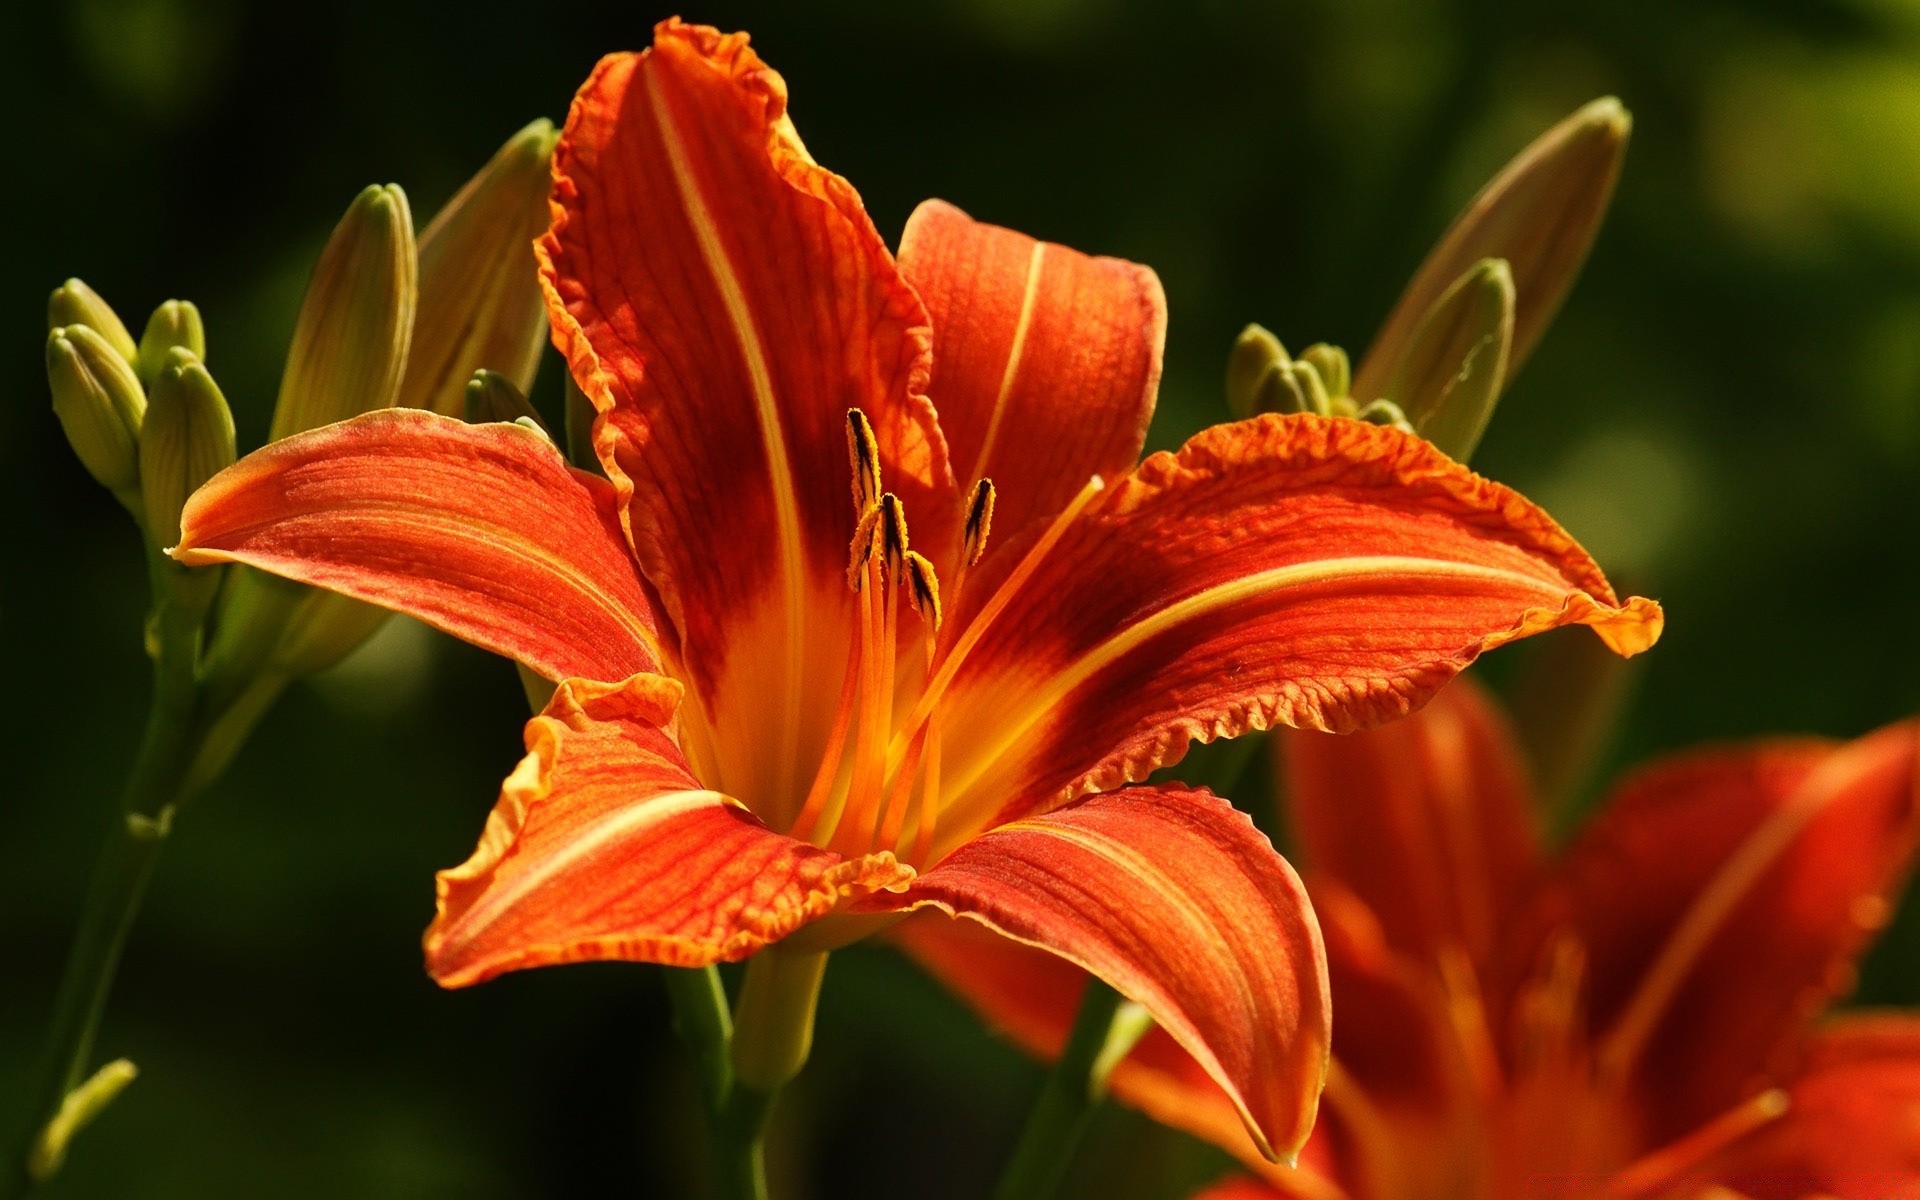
1727,412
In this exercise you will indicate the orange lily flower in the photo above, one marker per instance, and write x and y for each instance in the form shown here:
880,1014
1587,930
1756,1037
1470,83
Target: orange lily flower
752,742
1636,1017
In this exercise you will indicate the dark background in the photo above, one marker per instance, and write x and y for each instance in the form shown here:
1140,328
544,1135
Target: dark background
1728,413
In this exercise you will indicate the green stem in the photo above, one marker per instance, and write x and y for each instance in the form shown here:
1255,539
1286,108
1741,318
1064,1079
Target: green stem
159,782
701,1020
1103,1032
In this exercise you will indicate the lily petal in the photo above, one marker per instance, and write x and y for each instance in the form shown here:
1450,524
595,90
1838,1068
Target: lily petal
1723,898
1046,360
1320,573
1430,821
724,301
479,530
1173,898
1851,1129
604,846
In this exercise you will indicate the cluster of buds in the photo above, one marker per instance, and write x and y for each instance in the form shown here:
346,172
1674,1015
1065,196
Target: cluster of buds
1475,308
387,320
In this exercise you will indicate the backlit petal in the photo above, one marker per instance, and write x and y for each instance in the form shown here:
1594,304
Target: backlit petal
724,301
1320,573
1723,898
1430,821
604,846
1046,361
480,530
1175,900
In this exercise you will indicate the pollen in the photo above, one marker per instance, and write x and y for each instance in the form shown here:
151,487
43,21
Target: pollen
863,454
860,550
893,534
923,589
979,520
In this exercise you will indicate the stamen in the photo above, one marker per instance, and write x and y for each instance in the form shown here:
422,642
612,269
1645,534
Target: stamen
1649,1171
893,534
864,454
923,591
829,772
979,521
861,548
977,628
863,664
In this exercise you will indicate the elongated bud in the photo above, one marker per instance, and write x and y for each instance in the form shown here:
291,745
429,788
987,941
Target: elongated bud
350,343
186,440
1450,378
77,1110
100,405
1329,362
893,534
1255,353
480,302
74,303
860,550
1311,389
1280,391
1540,213
175,323
491,396
923,589
979,520
863,455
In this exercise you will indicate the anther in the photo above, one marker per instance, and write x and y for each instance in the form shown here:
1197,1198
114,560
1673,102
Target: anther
893,534
860,550
863,452
923,589
979,520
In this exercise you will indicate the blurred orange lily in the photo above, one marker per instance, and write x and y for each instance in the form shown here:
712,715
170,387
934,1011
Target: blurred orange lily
1637,1017
751,741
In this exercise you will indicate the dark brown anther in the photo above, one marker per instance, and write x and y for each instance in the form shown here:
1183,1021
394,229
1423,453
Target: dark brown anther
979,520
863,452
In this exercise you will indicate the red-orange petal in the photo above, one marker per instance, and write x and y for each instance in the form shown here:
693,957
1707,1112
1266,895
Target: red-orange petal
724,301
1852,1126
1319,573
604,846
1431,821
1174,899
1046,361
1723,898
480,530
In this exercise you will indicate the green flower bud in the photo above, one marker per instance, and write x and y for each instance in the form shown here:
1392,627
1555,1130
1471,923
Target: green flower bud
480,299
1450,377
491,396
175,323
187,439
350,343
74,303
100,405
1330,363
1254,353
1540,214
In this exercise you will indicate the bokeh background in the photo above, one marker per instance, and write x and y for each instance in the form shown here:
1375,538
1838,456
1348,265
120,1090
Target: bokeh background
1727,412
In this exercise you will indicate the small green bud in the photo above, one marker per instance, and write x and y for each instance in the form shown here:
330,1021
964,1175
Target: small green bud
491,396
480,299
187,439
350,342
1384,412
1311,388
1450,377
74,303
175,323
1254,353
1540,213
1330,362
1279,391
100,405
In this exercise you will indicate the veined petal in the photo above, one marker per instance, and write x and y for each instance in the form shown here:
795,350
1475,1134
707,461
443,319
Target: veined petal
604,846
1430,821
480,530
1852,1125
1723,897
1174,899
1046,361
724,301
1320,573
